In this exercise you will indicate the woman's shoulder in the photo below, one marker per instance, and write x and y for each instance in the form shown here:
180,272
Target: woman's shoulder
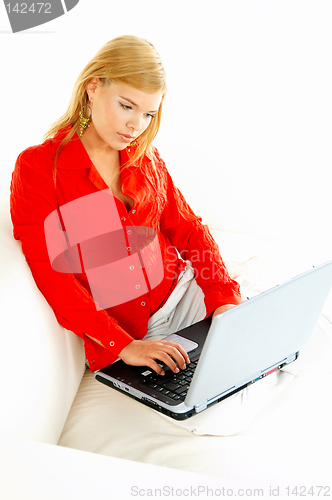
36,156
158,159
155,167
34,167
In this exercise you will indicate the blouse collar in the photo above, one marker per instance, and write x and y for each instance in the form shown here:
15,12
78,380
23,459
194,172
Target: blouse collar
75,156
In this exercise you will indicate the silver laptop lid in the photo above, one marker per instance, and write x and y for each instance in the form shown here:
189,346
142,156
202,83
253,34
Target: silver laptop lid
259,333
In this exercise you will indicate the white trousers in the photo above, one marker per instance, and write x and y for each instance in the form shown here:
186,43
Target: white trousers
183,307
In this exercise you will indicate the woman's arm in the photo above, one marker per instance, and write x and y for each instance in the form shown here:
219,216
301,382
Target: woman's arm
33,198
194,241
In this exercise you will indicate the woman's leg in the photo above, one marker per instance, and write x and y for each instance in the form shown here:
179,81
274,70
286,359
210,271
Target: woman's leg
184,307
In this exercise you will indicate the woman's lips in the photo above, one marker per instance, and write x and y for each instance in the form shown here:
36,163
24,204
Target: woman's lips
125,138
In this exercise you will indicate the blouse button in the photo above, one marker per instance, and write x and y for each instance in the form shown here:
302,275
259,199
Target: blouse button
133,211
129,232
137,286
142,303
131,267
123,218
112,343
128,248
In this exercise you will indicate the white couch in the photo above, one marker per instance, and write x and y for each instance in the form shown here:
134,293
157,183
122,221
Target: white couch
63,434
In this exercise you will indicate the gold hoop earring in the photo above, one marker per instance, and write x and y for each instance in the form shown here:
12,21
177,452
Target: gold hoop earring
84,120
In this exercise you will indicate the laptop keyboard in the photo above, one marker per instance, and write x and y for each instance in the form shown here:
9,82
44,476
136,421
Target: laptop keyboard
173,385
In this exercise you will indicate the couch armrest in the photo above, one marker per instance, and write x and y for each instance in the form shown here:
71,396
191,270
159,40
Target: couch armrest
42,363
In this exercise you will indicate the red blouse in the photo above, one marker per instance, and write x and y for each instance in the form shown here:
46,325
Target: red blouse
34,197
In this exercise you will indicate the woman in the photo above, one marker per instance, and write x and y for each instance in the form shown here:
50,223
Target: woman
99,154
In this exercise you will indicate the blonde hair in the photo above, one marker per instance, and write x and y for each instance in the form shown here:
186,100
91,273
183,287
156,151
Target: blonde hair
126,59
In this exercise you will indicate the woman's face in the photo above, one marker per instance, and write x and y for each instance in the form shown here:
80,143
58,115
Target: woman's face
119,113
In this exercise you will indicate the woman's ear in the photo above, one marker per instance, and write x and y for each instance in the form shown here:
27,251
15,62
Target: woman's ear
91,87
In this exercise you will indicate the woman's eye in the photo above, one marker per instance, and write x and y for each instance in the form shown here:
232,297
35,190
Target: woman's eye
125,106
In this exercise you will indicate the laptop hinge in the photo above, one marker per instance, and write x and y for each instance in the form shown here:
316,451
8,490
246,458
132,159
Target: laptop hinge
200,407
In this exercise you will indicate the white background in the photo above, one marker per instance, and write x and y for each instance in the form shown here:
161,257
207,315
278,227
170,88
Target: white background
248,115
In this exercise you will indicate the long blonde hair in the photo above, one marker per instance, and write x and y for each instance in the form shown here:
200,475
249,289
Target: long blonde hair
126,59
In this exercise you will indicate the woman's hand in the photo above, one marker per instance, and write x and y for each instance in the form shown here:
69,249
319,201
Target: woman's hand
222,309
145,352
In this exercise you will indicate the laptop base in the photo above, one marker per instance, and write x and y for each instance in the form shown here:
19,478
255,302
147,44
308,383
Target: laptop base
191,411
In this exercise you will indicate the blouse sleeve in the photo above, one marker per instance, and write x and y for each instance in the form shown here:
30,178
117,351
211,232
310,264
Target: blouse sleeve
194,241
33,198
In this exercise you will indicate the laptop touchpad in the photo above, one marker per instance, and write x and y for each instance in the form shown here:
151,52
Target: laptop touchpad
187,344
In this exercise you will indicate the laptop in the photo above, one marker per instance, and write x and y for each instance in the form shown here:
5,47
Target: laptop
238,348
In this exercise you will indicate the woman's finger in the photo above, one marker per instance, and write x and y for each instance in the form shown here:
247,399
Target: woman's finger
177,352
151,363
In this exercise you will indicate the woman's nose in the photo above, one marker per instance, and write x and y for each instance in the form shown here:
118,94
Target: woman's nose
136,123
